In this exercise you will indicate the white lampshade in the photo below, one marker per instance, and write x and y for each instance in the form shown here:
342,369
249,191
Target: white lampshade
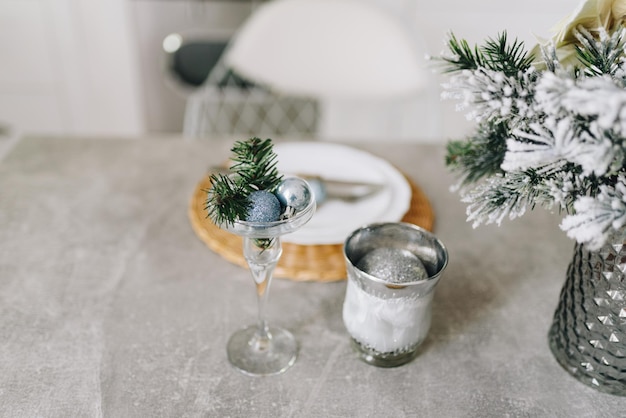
327,49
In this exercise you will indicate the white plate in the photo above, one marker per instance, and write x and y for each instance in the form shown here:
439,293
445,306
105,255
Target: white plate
335,219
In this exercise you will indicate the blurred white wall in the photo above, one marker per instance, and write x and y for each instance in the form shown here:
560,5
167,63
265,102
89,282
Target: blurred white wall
68,67
92,67
425,117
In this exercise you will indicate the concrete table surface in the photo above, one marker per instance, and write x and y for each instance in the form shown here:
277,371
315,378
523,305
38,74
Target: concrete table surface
111,306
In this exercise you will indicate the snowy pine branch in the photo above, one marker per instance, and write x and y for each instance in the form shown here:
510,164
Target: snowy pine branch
549,135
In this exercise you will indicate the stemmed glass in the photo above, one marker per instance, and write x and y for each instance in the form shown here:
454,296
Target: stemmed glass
261,349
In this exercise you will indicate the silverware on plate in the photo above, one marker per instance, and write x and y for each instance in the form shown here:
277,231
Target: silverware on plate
326,189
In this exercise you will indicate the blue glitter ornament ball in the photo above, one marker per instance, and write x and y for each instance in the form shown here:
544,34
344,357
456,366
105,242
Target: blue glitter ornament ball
294,192
264,207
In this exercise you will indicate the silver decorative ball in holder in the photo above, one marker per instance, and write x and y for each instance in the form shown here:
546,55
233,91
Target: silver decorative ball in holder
393,269
261,349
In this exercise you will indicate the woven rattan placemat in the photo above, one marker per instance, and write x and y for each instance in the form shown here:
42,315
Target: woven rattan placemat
322,263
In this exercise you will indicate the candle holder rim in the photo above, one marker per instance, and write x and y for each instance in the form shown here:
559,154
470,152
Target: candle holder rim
434,277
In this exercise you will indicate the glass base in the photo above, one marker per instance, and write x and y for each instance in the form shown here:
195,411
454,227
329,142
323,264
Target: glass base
376,358
586,369
588,332
257,356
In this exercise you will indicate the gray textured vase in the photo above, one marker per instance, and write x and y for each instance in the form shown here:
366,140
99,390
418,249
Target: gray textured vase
588,333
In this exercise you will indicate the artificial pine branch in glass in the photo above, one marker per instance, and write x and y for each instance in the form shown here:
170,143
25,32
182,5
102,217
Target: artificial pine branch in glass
254,169
497,55
255,164
600,58
548,133
482,154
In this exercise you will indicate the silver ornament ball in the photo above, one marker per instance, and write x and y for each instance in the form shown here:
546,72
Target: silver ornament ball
294,192
393,265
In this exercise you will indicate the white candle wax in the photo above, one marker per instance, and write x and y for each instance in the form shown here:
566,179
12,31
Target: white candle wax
385,325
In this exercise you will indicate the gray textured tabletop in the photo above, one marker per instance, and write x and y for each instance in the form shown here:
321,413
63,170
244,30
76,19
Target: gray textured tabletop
111,306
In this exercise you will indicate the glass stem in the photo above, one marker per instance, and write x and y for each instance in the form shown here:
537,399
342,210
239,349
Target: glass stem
262,255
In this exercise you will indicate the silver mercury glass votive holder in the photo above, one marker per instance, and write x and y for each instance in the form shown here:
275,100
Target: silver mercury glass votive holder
393,269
